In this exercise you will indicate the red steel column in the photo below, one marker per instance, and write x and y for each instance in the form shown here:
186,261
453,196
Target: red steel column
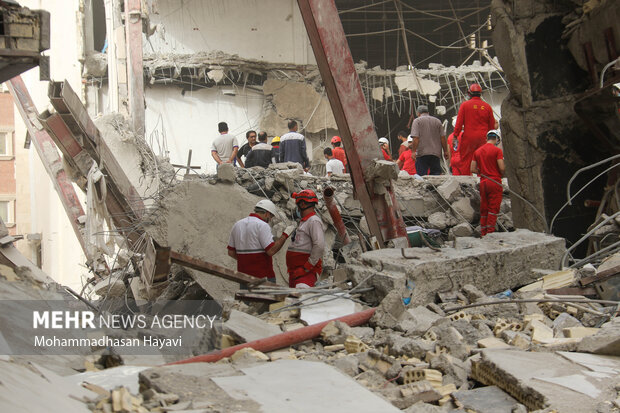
351,113
48,152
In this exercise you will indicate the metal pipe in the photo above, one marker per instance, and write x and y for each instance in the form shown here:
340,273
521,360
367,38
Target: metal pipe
281,340
328,197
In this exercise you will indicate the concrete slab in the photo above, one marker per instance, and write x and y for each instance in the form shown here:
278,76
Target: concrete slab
302,386
248,328
490,399
541,380
194,382
24,391
327,307
494,263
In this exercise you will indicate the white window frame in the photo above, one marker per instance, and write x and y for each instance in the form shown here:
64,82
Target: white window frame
9,144
10,210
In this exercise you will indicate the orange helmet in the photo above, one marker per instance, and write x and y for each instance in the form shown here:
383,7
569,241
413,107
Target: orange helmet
475,88
307,195
336,139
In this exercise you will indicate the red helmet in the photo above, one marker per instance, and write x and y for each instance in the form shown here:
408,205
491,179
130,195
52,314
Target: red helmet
307,195
336,139
475,88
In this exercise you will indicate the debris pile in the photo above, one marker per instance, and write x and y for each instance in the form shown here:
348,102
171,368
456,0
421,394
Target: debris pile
447,203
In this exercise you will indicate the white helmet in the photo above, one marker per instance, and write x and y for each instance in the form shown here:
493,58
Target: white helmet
383,140
268,206
494,134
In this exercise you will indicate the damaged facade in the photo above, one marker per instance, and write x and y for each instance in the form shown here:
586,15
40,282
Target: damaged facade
417,314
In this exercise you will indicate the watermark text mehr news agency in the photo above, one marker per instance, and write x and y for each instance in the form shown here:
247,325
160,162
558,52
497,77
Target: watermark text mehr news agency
88,319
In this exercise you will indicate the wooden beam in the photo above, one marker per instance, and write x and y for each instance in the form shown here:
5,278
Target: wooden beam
214,269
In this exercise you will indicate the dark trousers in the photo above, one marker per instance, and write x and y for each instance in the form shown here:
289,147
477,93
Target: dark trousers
428,165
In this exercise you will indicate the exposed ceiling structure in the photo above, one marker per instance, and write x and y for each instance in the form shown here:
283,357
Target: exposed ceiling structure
449,32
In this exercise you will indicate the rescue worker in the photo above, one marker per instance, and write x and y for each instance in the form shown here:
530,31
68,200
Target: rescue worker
247,147
225,147
405,160
384,144
405,143
275,150
454,159
429,140
293,147
333,165
304,257
338,151
260,155
251,242
488,162
476,118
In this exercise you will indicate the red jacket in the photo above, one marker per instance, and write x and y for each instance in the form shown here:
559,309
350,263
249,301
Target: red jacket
476,116
339,154
386,155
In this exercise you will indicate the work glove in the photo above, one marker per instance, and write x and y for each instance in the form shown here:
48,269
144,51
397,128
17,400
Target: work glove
298,272
289,230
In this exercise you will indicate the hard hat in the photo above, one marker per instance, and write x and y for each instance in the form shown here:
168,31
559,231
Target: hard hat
268,206
384,140
336,139
409,138
307,195
494,134
475,88
275,140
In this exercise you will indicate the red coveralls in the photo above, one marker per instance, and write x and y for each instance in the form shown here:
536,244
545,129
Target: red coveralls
490,193
304,255
339,154
455,156
477,117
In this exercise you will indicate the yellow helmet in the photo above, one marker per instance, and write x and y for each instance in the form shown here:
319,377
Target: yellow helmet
275,140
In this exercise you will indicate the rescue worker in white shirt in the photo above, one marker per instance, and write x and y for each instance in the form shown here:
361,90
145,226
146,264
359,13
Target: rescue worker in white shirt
251,242
333,165
304,257
260,155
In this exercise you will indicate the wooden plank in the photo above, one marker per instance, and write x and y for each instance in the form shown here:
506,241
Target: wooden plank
214,269
585,291
601,275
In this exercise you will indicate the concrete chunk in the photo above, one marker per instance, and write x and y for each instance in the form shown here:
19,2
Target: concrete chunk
490,399
226,173
542,380
449,190
246,328
494,263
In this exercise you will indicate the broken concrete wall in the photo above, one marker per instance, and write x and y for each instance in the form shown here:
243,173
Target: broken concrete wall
241,28
178,120
544,139
196,217
494,263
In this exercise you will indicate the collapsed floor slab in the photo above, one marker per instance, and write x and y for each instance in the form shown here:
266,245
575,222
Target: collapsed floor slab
494,263
293,385
563,381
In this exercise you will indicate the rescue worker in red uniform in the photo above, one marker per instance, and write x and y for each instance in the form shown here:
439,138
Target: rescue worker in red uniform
488,162
251,242
384,144
476,117
304,257
338,151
